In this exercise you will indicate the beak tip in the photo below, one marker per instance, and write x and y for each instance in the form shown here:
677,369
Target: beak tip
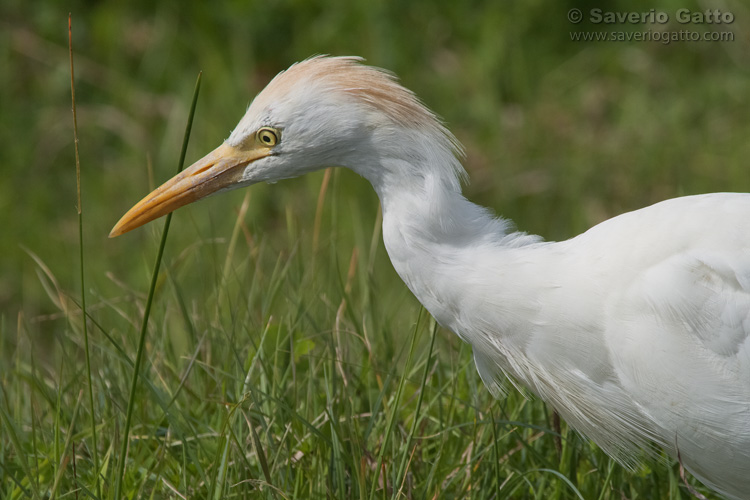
216,171
117,230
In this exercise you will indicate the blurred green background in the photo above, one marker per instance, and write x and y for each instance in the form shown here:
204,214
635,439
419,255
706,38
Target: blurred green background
559,135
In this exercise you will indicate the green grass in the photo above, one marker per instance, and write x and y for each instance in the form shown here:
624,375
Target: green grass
283,357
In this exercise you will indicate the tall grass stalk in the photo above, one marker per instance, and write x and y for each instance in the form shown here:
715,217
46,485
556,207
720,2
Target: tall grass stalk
63,465
149,301
79,209
407,454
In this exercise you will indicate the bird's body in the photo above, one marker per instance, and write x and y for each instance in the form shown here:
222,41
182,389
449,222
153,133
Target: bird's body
636,331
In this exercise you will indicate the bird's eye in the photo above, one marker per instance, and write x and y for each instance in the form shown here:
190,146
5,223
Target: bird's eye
268,136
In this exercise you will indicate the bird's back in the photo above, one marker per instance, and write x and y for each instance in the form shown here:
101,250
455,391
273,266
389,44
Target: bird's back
678,330
643,329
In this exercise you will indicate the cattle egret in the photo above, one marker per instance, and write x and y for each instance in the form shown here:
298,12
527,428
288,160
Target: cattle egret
636,331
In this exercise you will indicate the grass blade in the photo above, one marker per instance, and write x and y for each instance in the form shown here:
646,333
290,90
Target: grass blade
407,449
89,383
147,311
62,466
394,410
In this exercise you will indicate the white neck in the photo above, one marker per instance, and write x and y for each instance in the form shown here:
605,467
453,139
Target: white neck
436,239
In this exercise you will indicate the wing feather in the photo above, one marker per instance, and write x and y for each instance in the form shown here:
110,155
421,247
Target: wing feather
678,339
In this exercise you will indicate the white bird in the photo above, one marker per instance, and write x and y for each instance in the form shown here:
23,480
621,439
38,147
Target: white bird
636,331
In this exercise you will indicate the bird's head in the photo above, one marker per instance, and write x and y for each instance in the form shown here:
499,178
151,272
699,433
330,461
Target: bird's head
324,111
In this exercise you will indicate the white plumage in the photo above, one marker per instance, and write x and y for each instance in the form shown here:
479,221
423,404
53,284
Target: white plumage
636,331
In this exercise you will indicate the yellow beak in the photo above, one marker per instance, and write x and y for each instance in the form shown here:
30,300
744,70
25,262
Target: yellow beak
218,170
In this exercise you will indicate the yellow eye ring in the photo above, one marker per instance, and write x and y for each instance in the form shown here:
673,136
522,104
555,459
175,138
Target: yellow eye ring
268,136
